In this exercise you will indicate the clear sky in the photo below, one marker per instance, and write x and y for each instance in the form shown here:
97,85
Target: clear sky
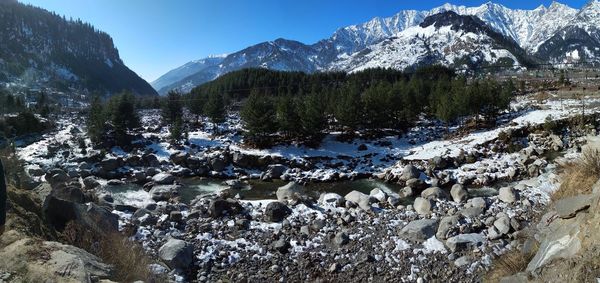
155,36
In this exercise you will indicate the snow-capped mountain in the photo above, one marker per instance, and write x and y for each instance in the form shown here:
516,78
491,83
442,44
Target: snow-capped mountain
186,70
42,49
553,34
445,38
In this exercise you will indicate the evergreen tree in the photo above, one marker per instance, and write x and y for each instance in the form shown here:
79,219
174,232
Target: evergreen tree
123,117
96,123
313,117
348,108
287,116
258,114
215,110
196,106
172,109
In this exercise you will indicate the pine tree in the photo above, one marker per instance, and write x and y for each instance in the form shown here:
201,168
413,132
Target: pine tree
172,109
348,108
96,123
258,114
196,106
313,117
215,110
287,116
123,117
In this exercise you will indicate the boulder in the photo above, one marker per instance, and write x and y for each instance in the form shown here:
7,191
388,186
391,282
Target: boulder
58,212
464,241
219,207
276,170
507,195
150,160
163,179
409,172
110,164
569,207
291,191
341,239
378,194
56,176
458,193
179,158
406,192
502,223
163,192
177,254
217,163
419,230
332,199
447,224
362,200
433,193
276,211
422,206
91,182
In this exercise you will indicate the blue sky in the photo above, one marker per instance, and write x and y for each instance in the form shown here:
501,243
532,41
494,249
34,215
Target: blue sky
155,36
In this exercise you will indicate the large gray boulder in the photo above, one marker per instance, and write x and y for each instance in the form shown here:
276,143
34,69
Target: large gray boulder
447,225
291,191
362,200
409,172
276,170
163,178
507,195
177,254
433,193
419,230
110,164
458,193
163,192
569,207
464,241
422,206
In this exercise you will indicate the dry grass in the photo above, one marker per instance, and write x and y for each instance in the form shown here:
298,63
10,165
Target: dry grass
128,258
510,263
579,177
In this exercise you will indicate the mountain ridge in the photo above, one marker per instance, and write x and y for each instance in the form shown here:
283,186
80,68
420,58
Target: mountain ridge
530,29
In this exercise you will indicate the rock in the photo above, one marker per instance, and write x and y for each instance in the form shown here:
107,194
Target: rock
393,201
414,183
179,158
175,216
507,195
458,193
219,207
34,259
289,192
341,239
110,164
362,200
58,212
493,233
276,170
419,230
478,202
362,147
502,224
282,245
276,211
56,176
150,160
464,241
217,163
245,160
569,207
446,225
560,238
177,254
235,184
422,206
433,193
163,192
462,261
406,192
409,172
438,163
143,217
378,194
163,179
331,199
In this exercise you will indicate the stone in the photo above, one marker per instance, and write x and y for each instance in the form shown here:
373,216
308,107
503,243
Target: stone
341,239
446,225
217,163
332,199
422,206
458,193
378,194
282,245
419,230
502,223
433,193
569,207
409,172
219,207
493,233
175,216
276,211
163,178
406,192
464,241
110,164
362,200
289,192
177,254
143,217
235,184
507,195
276,170
478,202
162,192
462,261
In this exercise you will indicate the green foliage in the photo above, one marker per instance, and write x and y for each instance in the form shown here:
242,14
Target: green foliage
287,116
313,117
259,116
115,118
348,108
215,110
25,123
172,109
176,130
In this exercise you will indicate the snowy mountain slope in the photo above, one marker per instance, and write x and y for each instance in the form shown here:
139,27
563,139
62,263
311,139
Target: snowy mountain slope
529,29
446,38
39,49
186,70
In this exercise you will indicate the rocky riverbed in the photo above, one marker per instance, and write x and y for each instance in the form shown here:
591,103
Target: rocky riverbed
455,204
